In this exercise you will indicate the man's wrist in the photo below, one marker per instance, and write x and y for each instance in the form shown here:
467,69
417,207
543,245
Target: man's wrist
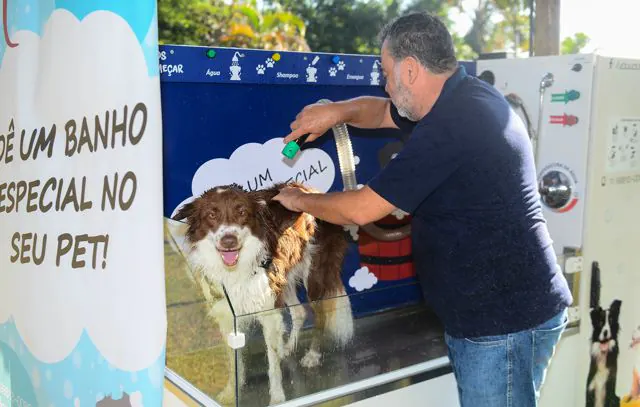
347,111
299,202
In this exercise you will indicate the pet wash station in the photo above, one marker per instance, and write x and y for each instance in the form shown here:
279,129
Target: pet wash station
225,112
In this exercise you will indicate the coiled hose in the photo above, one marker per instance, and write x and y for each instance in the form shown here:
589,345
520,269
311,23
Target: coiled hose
517,103
346,162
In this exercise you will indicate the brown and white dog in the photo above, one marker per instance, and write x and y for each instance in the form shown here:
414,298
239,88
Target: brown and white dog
260,252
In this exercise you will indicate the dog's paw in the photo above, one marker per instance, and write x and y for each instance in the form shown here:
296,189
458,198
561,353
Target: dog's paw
311,359
277,397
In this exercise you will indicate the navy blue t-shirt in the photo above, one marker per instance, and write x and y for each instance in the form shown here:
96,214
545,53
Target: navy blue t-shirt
481,247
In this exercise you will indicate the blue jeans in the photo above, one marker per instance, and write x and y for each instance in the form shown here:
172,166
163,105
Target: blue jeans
505,370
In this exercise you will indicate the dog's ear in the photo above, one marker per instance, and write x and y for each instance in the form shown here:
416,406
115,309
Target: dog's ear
614,309
272,210
595,314
184,212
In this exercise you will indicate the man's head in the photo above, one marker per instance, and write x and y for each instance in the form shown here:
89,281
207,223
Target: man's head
417,57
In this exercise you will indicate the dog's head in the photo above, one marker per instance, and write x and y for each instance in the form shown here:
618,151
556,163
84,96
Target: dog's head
228,219
605,323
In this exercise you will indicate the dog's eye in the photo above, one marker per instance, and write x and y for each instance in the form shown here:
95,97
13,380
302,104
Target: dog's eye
242,211
212,215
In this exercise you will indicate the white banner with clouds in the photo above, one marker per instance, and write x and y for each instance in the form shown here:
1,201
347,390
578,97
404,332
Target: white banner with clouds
81,264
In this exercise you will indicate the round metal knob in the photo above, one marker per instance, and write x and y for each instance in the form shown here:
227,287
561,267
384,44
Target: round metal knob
556,189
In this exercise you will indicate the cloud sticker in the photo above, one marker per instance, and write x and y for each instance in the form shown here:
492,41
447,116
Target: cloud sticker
76,70
258,166
362,279
353,231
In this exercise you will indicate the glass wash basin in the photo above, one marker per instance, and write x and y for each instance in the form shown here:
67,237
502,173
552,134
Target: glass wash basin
201,362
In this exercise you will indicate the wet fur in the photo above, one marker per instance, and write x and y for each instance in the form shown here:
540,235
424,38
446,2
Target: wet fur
304,250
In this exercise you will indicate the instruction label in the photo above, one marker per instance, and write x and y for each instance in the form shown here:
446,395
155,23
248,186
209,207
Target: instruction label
622,146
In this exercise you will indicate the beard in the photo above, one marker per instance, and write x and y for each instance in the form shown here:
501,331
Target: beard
402,101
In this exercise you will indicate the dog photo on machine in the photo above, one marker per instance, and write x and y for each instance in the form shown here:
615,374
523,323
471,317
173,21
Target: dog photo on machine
605,348
261,254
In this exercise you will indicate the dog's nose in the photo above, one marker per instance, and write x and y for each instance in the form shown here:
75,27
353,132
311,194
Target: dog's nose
229,241
605,333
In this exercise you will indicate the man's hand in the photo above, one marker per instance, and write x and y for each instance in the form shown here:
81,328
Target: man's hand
290,198
315,120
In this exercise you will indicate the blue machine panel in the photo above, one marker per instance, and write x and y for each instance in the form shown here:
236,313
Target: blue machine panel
216,100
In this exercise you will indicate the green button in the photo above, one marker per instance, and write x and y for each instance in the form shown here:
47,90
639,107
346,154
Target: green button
291,149
211,53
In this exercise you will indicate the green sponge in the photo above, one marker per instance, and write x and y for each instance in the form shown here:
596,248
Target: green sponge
291,149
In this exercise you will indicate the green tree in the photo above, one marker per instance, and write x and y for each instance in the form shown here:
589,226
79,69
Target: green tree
274,29
497,25
238,24
512,32
341,26
192,22
575,44
442,9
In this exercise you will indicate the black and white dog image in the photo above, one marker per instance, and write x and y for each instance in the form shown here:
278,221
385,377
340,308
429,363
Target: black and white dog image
605,348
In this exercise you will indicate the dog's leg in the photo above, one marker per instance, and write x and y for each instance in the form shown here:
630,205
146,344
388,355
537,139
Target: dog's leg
298,315
313,356
273,331
331,306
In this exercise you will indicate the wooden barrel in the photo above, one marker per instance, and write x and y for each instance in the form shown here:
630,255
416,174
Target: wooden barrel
388,261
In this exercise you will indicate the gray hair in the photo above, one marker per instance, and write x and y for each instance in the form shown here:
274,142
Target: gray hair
424,37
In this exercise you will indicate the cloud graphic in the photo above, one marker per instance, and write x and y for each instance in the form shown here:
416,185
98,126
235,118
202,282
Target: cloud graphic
353,231
258,166
75,70
362,279
136,399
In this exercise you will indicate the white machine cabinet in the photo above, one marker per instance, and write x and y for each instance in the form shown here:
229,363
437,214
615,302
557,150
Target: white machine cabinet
585,115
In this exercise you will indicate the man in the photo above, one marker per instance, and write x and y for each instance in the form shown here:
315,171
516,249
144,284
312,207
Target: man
481,246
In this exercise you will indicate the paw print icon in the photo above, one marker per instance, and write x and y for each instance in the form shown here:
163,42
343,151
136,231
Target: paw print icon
333,71
341,65
260,69
269,62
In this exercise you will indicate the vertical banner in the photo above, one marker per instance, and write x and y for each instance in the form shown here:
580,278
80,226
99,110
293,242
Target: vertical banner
82,299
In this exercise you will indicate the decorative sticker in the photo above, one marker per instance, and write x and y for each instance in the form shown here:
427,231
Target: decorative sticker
566,97
623,142
256,166
564,120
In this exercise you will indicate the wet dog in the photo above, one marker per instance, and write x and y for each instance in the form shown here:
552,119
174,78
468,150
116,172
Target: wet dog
260,252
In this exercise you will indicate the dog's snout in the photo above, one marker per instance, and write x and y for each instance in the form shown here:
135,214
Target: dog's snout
229,241
605,333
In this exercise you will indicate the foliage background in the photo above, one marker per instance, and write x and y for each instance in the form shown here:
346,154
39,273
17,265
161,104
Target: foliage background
344,26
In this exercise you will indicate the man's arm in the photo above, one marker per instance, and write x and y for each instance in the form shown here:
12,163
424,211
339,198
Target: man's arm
342,208
367,112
